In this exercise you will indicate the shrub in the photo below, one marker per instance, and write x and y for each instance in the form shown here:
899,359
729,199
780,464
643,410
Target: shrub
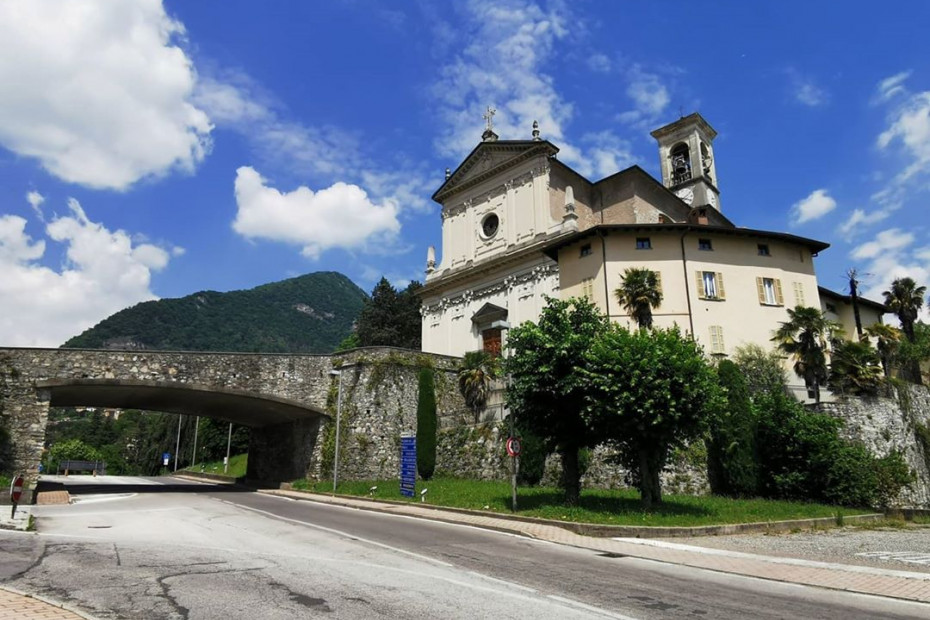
802,456
732,467
532,456
426,424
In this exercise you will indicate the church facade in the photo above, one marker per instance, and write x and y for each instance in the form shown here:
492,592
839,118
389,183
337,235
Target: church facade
519,225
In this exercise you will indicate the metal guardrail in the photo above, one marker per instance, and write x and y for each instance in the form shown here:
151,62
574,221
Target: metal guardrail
67,466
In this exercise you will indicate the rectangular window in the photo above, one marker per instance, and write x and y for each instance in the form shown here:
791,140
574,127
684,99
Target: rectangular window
705,244
643,243
799,294
769,290
764,249
586,249
831,308
587,289
716,340
710,285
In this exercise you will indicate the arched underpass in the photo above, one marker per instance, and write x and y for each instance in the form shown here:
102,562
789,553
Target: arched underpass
283,432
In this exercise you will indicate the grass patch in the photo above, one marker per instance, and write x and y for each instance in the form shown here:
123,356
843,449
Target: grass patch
237,466
5,482
609,507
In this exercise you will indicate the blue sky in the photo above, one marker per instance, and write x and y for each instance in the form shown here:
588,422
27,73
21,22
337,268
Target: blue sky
154,149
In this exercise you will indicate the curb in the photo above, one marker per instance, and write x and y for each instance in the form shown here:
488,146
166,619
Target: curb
597,530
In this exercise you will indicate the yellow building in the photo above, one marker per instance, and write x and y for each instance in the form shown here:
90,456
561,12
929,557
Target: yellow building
518,224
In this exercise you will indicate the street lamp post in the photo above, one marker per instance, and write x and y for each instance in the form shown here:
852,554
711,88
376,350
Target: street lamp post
337,373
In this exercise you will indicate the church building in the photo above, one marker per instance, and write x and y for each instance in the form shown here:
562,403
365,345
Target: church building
519,225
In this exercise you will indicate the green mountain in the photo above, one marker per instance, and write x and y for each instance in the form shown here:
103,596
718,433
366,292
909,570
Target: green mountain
308,314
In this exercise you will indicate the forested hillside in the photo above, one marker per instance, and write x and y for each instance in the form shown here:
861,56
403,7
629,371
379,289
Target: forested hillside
308,314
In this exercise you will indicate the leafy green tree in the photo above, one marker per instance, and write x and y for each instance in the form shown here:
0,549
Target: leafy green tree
73,449
651,391
762,370
855,368
905,299
426,424
887,339
639,293
547,390
475,373
731,444
349,342
390,318
805,336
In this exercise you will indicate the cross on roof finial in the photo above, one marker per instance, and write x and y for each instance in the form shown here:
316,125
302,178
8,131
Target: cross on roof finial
488,116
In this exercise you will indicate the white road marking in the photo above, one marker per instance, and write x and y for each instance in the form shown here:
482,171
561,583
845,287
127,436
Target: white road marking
341,533
901,556
596,610
93,499
851,568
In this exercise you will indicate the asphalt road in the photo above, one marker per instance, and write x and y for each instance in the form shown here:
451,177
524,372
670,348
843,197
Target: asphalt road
147,549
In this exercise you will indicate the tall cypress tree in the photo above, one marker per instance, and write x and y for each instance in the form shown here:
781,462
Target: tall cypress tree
426,425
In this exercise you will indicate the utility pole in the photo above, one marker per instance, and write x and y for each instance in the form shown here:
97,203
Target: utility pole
228,444
177,446
854,294
196,428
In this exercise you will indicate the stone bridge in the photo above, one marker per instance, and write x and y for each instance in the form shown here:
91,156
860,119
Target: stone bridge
283,398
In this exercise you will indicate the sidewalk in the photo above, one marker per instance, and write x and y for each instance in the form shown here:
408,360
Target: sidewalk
861,579
15,605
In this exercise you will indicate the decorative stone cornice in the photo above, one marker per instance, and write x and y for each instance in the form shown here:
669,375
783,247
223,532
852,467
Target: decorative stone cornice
508,283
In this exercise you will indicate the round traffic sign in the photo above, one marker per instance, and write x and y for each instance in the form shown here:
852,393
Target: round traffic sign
513,446
16,489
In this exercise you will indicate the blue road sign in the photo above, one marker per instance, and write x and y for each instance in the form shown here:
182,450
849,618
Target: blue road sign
165,457
408,465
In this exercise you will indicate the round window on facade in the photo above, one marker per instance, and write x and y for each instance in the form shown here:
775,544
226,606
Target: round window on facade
489,225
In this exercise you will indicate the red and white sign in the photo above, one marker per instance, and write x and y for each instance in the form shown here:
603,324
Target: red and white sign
16,489
513,446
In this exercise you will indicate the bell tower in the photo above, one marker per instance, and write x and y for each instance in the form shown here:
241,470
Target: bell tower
686,155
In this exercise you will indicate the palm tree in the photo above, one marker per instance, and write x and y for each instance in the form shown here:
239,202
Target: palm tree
805,337
639,293
887,338
476,371
905,299
855,368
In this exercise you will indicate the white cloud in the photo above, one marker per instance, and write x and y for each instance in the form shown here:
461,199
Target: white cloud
35,200
340,216
890,255
805,90
102,91
103,272
815,206
907,140
599,63
910,129
891,86
860,219
891,240
507,46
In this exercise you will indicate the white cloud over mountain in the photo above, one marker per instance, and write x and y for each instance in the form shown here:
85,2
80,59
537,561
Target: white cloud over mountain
98,91
103,271
341,215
